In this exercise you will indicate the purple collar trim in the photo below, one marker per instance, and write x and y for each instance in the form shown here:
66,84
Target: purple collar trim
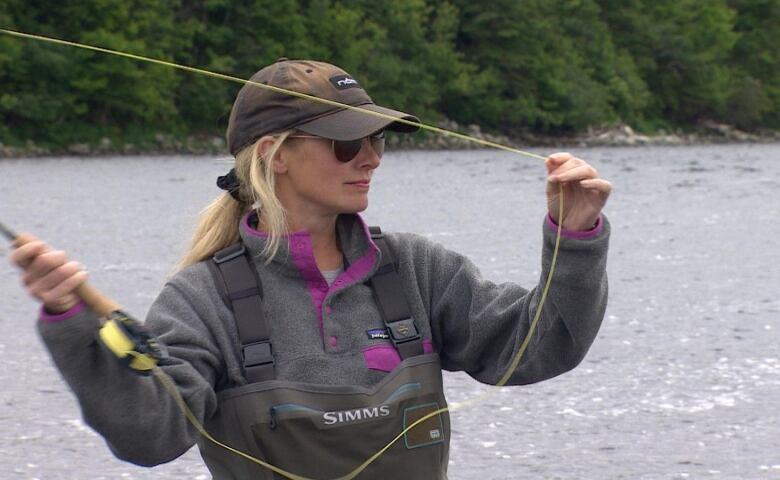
302,256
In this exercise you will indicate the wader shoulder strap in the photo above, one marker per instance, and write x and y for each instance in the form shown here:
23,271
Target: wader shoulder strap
245,293
386,285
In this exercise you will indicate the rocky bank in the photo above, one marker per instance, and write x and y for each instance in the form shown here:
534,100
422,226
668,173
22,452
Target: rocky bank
619,135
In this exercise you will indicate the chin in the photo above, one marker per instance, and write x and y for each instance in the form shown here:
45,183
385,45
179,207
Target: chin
355,207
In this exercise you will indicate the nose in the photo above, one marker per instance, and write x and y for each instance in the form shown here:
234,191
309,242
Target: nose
367,157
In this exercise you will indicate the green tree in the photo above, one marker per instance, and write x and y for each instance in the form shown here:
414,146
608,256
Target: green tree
755,95
234,38
402,52
507,65
681,48
546,65
66,95
10,62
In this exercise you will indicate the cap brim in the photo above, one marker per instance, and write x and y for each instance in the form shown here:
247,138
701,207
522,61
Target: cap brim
351,124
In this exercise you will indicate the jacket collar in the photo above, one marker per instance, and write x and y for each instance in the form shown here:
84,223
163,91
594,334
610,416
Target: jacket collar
296,256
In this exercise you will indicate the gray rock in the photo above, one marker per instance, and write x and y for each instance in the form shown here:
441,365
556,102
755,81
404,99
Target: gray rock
218,143
105,145
80,149
6,152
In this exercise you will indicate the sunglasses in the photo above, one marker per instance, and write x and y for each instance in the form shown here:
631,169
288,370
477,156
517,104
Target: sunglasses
346,150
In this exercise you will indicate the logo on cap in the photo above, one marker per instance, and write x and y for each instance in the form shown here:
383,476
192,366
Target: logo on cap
342,82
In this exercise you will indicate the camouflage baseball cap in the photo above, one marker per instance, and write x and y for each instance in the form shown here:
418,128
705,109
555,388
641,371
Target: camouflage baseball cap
258,111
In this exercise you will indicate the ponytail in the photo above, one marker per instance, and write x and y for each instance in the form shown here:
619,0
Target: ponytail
219,221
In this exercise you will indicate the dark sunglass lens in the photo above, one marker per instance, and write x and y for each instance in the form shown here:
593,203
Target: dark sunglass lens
346,150
378,144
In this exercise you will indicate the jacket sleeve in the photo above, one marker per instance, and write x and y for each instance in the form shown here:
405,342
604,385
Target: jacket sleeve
478,326
138,418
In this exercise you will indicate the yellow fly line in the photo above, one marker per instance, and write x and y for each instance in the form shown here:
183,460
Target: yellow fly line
170,385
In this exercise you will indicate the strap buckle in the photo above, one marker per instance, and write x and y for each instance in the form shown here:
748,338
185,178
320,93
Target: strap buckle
376,233
403,331
256,354
229,253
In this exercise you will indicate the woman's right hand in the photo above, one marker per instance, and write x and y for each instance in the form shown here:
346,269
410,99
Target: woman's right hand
48,275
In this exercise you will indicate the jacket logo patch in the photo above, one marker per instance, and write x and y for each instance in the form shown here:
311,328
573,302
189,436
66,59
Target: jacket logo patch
343,82
378,333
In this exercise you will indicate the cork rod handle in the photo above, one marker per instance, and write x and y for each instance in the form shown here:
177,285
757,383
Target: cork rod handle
99,302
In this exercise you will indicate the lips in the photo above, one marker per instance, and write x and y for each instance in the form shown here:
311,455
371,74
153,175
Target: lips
360,182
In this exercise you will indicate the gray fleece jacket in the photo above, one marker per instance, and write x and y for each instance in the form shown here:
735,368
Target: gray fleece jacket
330,334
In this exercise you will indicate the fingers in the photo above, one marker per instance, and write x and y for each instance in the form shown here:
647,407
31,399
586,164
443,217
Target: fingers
44,263
48,274
598,184
23,255
37,259
557,159
564,167
57,283
571,172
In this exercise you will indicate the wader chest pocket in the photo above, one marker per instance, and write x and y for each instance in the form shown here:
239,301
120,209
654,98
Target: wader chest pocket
428,431
326,432
310,442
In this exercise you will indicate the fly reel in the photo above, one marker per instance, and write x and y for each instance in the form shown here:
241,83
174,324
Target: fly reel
132,344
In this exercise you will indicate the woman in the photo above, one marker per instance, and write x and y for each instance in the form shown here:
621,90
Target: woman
299,337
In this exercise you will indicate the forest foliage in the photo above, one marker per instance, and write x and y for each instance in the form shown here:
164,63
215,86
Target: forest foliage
509,66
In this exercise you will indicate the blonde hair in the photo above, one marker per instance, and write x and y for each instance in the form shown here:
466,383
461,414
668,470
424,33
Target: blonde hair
218,222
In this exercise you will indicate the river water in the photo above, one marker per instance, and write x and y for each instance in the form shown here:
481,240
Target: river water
683,380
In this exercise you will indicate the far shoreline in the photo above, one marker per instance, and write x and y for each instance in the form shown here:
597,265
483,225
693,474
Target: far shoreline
615,136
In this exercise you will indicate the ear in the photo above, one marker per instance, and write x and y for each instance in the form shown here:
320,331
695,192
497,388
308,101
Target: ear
264,147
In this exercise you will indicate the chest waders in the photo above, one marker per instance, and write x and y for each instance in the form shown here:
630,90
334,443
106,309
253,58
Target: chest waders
326,431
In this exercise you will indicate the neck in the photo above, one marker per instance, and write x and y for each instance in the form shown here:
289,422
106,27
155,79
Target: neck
324,241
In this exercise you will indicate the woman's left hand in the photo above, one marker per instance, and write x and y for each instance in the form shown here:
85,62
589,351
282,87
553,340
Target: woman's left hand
584,193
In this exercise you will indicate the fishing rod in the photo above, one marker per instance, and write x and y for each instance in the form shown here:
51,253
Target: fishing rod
128,340
120,332
91,296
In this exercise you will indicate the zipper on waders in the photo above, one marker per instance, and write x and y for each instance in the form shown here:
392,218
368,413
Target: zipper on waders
272,422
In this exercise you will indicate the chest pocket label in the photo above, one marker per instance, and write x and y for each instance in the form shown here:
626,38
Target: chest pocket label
428,432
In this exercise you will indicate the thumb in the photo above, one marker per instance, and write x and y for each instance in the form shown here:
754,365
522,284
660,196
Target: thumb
556,160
